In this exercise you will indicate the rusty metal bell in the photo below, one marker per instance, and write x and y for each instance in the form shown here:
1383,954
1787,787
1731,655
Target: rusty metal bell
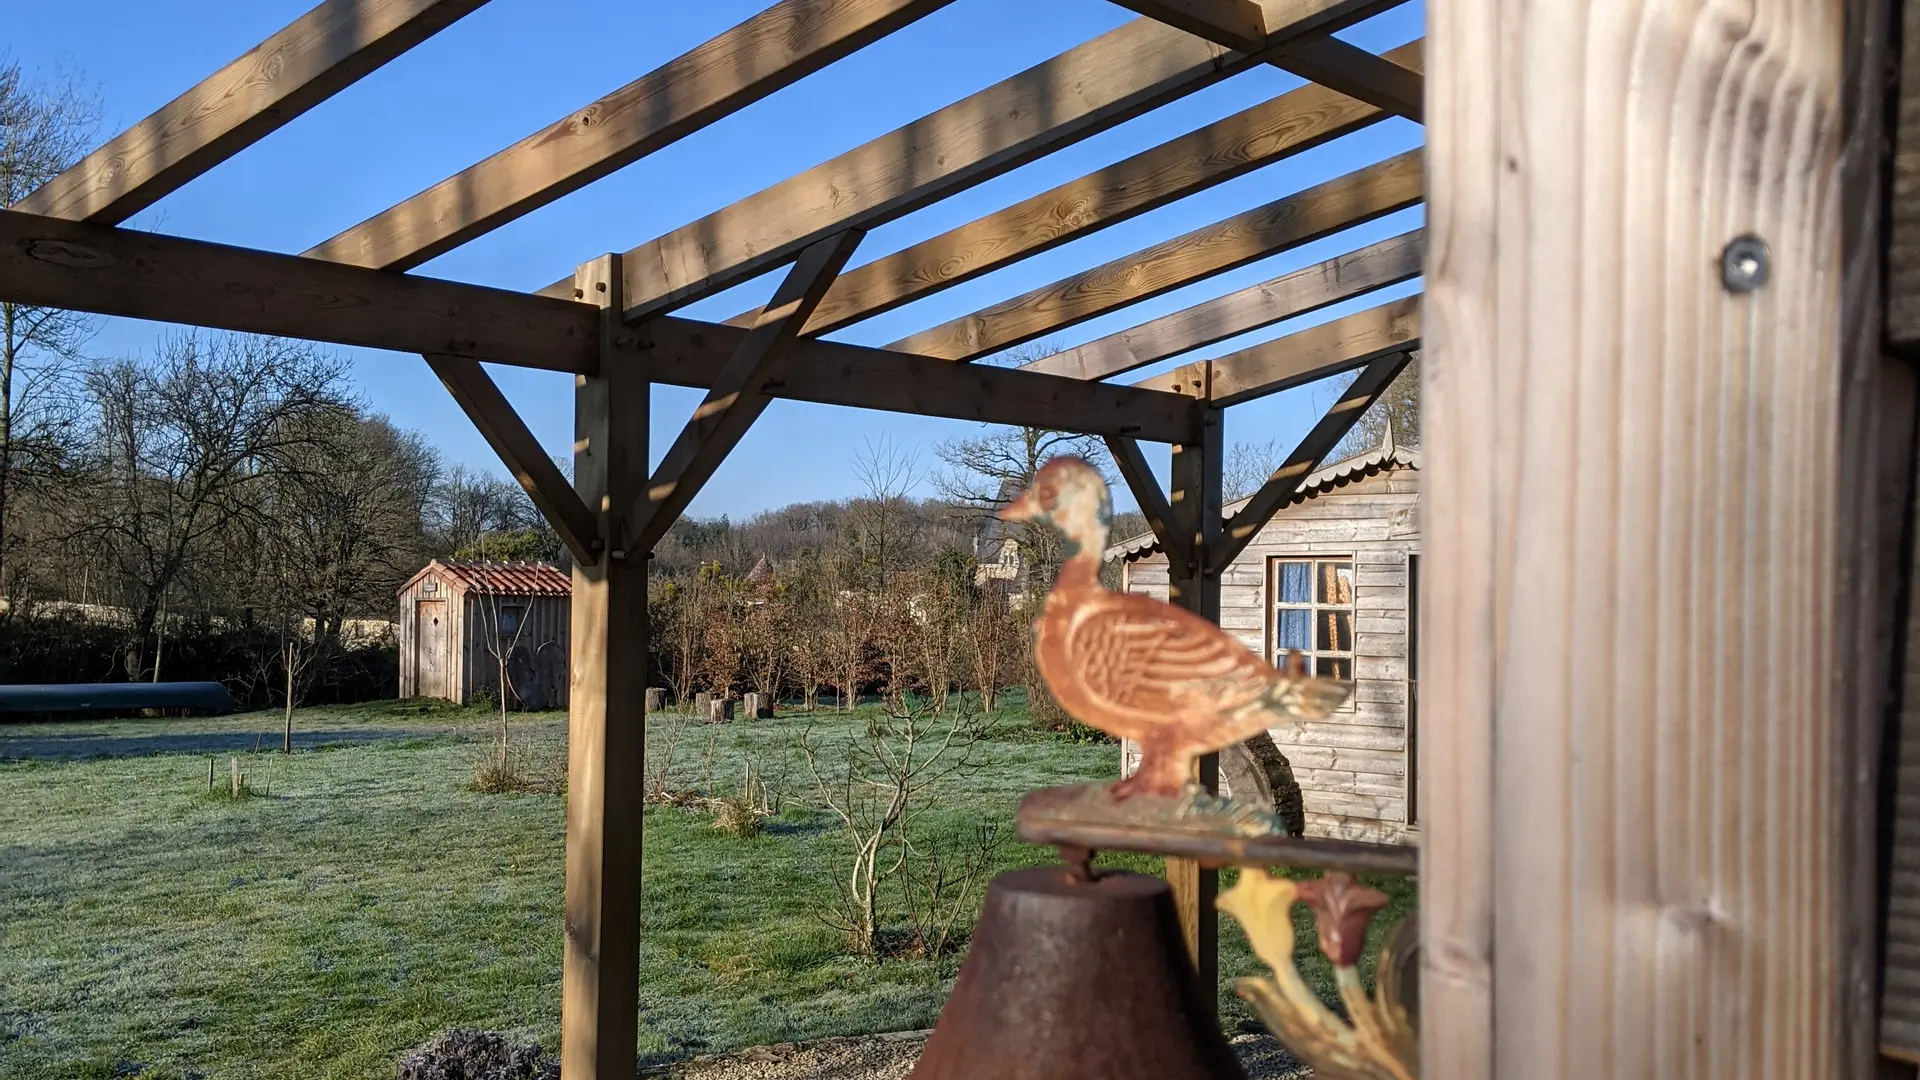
1070,977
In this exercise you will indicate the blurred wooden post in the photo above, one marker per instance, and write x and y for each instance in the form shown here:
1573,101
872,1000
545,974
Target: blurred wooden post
1195,502
1629,781
600,978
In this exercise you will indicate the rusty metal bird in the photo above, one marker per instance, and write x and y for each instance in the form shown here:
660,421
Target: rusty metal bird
1141,668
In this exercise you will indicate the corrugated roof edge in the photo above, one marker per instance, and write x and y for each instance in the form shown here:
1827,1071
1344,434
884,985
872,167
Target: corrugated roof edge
1387,455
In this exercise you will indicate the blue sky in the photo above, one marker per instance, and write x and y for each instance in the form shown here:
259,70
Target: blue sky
517,65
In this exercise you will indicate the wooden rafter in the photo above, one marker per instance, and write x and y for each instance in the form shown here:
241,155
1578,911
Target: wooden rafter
112,271
737,397
773,49
1358,73
314,57
1113,78
1280,489
1241,25
520,451
1272,131
1299,358
1154,505
1237,24
1300,218
1344,277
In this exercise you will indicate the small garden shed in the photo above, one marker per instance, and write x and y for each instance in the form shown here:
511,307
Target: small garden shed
1332,575
467,627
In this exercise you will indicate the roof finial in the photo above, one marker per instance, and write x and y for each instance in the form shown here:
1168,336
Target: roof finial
1386,444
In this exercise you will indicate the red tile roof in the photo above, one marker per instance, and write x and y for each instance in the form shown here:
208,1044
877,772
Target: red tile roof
511,578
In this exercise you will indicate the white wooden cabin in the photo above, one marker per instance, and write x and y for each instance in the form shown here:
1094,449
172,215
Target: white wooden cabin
1333,575
459,620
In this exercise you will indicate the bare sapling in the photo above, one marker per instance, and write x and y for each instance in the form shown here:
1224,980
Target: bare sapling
888,777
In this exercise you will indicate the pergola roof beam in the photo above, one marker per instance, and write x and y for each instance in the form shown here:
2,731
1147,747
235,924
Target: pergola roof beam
1288,296
308,61
1283,486
1300,218
1077,94
1300,358
771,50
1328,61
1276,129
112,271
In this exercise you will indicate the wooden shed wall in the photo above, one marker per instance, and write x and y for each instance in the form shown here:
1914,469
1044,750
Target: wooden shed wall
1353,767
546,639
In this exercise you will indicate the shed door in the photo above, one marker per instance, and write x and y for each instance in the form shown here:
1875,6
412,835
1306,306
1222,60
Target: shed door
430,649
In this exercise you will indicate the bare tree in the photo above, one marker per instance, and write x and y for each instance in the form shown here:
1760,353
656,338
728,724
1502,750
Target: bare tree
185,443
1398,408
45,126
1247,467
884,528
884,784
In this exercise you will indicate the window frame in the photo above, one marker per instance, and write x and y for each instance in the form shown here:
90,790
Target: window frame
1314,605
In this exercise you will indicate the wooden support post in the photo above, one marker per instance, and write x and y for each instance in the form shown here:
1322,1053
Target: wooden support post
600,975
1629,803
1196,505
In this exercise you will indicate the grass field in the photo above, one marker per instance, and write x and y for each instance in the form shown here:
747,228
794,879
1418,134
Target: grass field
369,898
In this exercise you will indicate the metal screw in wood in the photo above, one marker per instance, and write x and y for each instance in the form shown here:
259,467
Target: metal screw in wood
1743,265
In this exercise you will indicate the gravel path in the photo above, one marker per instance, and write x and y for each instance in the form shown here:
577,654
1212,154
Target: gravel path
891,1057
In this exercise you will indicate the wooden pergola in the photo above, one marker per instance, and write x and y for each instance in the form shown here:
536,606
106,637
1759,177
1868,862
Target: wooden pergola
1667,498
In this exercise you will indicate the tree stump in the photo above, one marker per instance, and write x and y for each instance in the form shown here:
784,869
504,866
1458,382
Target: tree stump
701,703
656,700
719,710
757,706
1256,770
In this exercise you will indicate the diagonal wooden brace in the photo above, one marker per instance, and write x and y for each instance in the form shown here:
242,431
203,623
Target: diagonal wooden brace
737,398
1153,502
1238,531
503,429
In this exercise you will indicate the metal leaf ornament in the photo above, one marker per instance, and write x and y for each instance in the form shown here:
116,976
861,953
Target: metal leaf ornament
1380,1042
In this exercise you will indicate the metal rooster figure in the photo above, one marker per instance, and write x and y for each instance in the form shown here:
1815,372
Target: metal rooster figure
1142,669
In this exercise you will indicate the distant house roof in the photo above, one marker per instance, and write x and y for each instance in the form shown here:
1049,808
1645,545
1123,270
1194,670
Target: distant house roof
1388,455
762,572
499,578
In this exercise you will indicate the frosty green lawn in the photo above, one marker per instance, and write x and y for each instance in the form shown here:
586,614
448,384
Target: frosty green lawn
370,899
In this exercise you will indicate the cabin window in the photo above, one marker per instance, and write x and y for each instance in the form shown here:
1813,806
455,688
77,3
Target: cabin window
1313,613
510,617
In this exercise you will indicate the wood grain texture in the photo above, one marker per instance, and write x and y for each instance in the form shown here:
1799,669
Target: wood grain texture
606,741
308,61
1236,24
1357,73
1272,131
1298,358
1079,93
493,415
775,48
1628,730
1300,218
737,397
1306,290
1284,485
688,353
110,271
